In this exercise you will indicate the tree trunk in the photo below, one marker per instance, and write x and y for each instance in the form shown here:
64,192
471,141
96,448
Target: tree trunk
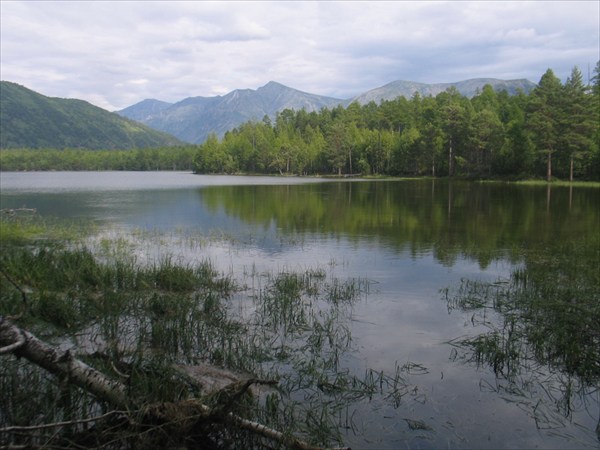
350,159
450,160
549,168
63,364
571,170
178,417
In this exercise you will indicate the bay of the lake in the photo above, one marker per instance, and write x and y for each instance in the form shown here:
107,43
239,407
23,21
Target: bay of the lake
412,242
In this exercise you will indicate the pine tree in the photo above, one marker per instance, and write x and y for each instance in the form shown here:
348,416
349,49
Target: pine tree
546,116
579,121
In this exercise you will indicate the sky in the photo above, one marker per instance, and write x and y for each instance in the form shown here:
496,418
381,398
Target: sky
117,53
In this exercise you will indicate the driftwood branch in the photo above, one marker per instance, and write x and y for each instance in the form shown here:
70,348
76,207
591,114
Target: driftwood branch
18,343
61,424
182,416
64,364
14,211
288,440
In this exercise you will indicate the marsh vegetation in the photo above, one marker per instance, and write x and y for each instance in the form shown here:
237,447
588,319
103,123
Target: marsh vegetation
377,313
143,323
539,332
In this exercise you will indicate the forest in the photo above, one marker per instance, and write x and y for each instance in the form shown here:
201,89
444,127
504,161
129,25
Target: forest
551,133
161,158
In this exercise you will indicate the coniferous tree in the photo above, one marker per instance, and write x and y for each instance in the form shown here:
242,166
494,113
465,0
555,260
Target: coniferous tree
546,117
579,120
593,166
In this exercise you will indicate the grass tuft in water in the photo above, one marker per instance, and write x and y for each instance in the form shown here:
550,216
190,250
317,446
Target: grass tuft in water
135,322
539,331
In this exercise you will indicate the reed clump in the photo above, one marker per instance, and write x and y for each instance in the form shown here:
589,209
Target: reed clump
539,331
138,322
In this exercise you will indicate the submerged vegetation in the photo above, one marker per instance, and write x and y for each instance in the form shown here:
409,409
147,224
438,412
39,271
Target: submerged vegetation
539,331
205,358
153,327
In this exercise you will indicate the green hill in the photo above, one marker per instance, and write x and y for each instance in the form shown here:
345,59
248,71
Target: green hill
32,120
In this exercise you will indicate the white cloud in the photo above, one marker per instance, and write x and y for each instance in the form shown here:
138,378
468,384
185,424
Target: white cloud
117,53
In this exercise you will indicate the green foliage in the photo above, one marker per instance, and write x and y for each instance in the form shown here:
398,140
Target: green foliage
552,130
31,120
139,322
538,331
163,158
549,314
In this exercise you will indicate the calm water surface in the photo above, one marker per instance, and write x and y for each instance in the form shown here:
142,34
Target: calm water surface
409,239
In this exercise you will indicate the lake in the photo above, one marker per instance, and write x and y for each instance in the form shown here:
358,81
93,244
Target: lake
412,244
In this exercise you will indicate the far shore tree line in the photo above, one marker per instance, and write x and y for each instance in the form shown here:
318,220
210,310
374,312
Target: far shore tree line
145,159
552,132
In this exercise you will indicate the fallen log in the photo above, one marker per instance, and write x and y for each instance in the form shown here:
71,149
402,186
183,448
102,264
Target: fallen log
181,416
63,364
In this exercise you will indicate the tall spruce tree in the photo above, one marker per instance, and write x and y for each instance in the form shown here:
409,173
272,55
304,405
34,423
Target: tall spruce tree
546,117
579,122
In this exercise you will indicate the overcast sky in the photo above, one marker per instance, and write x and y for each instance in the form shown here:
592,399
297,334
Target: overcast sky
117,53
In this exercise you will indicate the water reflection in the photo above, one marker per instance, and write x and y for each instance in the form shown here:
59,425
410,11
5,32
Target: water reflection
480,221
544,347
409,239
452,220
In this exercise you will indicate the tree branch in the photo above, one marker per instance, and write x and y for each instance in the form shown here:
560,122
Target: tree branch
288,440
60,424
182,415
20,341
64,365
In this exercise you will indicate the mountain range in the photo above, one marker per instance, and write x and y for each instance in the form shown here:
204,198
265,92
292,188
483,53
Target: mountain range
194,118
468,88
32,120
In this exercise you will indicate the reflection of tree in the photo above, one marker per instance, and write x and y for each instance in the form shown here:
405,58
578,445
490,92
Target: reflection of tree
542,337
482,221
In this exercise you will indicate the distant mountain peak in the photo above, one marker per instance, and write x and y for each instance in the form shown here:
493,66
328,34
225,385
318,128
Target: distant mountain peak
468,88
194,118
145,110
272,84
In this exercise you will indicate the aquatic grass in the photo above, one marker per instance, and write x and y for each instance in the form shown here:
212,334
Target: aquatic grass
301,324
135,321
584,184
25,226
556,329
19,229
172,277
541,330
52,267
347,291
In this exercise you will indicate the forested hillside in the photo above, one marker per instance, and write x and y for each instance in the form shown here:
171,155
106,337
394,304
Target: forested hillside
194,118
551,132
32,120
162,158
